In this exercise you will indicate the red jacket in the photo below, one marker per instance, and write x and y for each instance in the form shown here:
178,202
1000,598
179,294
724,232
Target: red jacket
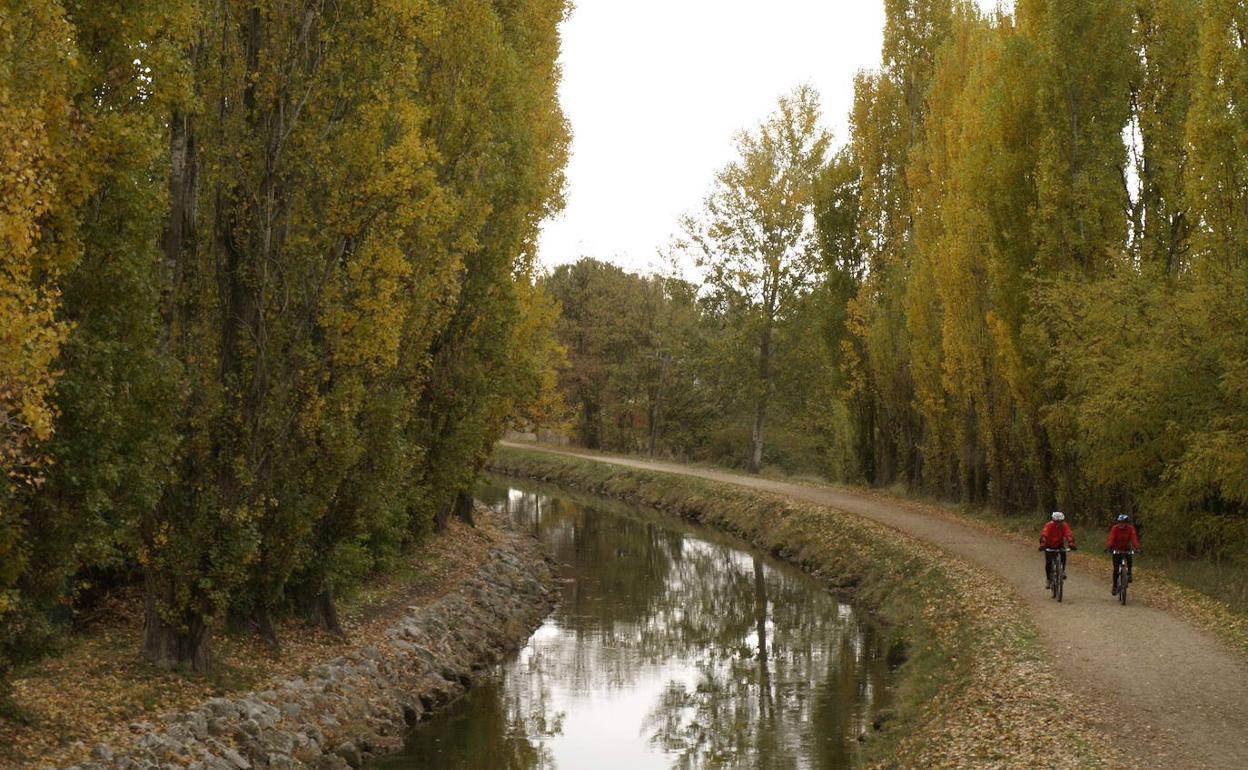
1055,533
1123,537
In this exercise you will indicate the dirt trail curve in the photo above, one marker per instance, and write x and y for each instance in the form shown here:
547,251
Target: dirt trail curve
1168,687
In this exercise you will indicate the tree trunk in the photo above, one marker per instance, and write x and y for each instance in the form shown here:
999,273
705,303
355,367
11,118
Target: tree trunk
319,608
238,620
179,234
461,507
591,424
262,619
656,409
464,508
760,410
316,605
865,446
184,642
328,612
760,620
756,437
168,645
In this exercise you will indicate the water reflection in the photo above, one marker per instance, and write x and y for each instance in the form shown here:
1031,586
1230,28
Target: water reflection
672,648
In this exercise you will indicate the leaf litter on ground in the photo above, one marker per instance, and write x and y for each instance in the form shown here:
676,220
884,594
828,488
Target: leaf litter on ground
99,690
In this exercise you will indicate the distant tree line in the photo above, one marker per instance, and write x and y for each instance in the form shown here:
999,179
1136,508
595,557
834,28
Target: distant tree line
266,295
1021,282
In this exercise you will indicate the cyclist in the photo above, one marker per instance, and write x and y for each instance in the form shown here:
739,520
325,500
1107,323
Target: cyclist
1123,539
1056,533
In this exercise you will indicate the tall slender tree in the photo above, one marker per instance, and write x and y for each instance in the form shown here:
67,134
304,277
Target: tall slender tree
40,175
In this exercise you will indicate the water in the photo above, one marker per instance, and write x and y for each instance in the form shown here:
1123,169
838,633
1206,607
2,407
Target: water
673,647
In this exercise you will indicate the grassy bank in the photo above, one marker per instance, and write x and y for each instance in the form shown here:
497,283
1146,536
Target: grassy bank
98,689
976,689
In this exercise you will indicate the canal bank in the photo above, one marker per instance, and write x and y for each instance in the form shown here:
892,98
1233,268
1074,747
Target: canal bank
359,705
977,690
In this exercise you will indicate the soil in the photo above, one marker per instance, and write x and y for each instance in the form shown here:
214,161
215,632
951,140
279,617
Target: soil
1174,693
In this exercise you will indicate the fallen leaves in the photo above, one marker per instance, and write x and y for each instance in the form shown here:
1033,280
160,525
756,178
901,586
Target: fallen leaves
100,690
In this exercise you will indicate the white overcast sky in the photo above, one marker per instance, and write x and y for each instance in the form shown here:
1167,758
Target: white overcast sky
656,89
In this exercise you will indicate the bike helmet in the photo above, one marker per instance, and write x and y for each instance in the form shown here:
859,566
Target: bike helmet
1058,516
1123,517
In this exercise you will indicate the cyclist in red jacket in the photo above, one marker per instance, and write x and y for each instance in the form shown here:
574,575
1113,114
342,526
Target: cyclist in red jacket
1123,539
1055,534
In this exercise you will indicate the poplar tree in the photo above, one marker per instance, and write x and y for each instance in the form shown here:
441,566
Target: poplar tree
844,266
352,207
1079,61
1216,137
946,295
599,325
117,386
266,291
38,175
510,169
82,99
1166,36
887,122
1085,62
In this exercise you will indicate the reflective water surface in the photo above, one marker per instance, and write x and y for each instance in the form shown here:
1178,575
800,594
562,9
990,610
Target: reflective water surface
672,648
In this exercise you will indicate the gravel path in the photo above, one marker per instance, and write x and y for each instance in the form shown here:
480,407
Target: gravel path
1169,688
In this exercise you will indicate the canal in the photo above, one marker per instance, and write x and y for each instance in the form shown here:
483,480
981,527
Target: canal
673,647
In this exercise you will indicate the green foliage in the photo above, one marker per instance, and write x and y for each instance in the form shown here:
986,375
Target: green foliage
1026,286
651,367
1051,316
1085,60
266,293
756,241
507,171
1167,32
630,343
103,460
1217,138
1161,421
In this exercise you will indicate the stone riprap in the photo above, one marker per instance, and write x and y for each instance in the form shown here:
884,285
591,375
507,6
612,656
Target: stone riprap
360,705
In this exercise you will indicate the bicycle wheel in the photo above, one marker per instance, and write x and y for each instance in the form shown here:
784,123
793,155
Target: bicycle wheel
1122,583
1059,583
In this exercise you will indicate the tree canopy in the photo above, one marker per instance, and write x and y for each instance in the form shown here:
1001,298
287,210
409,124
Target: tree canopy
1027,282
267,293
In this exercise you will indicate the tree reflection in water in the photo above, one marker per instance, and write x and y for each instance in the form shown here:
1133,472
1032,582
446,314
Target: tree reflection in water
672,648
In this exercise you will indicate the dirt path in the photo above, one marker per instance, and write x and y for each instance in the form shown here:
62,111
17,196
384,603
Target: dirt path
1167,686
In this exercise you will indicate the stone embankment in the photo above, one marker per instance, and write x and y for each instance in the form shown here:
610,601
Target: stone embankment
359,706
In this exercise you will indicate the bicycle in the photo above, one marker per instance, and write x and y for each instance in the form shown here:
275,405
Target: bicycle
1122,575
1057,572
